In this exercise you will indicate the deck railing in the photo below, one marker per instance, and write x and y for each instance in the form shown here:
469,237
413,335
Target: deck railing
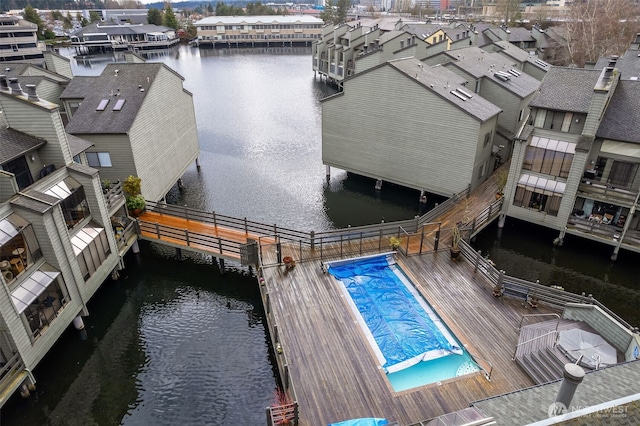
114,196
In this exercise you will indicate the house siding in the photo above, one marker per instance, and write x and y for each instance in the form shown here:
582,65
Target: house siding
119,148
412,146
165,135
510,103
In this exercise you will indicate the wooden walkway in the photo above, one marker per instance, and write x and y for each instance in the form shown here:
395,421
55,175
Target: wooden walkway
218,241
332,368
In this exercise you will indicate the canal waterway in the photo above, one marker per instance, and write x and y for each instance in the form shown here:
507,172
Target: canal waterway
177,341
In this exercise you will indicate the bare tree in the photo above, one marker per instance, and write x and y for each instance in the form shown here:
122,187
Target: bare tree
508,9
598,28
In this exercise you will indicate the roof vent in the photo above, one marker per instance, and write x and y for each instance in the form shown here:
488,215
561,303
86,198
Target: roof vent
31,92
115,72
15,86
4,85
502,76
7,69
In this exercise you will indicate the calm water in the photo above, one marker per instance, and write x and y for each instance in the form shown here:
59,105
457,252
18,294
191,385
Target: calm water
177,342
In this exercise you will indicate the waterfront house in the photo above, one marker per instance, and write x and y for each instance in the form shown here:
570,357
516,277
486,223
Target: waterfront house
271,30
57,243
19,40
98,37
48,84
399,128
497,80
575,168
522,59
140,120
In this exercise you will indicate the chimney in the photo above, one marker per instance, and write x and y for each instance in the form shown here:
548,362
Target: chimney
572,377
612,61
31,92
4,84
15,86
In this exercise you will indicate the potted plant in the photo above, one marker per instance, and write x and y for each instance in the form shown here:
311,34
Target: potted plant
106,185
135,205
456,236
501,182
135,201
395,242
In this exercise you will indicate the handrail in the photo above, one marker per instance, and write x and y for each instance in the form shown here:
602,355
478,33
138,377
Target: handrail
540,315
531,340
487,374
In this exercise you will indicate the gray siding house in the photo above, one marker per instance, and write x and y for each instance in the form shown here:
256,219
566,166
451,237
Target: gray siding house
575,168
57,241
141,122
410,124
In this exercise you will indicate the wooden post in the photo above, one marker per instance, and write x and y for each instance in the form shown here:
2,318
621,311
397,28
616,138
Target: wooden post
186,237
312,240
215,222
421,240
437,240
267,303
340,245
275,332
158,230
286,376
221,260
246,228
500,279
220,244
321,248
380,240
360,243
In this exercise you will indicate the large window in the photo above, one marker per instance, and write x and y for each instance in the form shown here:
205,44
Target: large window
615,173
19,247
99,159
559,121
74,203
549,156
537,193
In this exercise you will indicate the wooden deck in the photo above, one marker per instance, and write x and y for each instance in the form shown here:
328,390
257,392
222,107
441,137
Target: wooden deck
332,367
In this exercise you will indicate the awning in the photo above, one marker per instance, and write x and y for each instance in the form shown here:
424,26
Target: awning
7,231
84,237
32,287
553,144
548,186
621,148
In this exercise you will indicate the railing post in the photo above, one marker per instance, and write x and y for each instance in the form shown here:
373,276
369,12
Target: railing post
500,279
417,218
215,221
360,243
158,230
220,244
473,226
321,248
475,269
267,303
340,245
186,237
246,227
380,240
421,240
312,240
437,239
300,248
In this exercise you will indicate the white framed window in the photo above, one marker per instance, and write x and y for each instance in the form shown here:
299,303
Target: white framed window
99,159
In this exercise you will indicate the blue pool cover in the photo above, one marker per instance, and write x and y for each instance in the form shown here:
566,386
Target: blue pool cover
402,324
370,421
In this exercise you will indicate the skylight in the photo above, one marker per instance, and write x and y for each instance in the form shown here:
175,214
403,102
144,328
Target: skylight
119,104
102,105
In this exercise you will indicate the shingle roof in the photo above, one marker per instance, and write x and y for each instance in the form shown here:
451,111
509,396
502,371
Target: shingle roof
14,144
628,64
520,55
78,145
566,89
532,404
443,81
482,64
212,20
129,82
518,34
621,120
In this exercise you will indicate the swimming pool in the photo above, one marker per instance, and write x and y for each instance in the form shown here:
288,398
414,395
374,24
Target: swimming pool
410,341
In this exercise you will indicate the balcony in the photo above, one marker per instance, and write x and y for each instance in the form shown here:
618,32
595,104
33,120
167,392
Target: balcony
597,231
607,193
113,196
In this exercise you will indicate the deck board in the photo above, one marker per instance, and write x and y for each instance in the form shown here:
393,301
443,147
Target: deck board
333,368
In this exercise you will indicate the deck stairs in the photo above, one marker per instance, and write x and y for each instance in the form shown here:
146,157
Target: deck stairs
540,358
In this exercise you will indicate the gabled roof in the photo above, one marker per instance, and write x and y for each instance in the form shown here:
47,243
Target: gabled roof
482,64
78,145
519,34
621,120
29,71
14,144
118,82
566,89
520,55
443,82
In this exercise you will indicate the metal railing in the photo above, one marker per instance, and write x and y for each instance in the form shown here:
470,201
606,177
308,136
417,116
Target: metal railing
515,351
540,315
487,373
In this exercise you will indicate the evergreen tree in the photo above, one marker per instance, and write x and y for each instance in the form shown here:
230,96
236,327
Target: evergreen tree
31,15
169,19
154,16
94,16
